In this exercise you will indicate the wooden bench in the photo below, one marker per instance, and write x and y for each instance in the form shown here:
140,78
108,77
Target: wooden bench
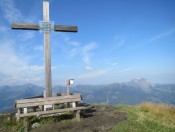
49,105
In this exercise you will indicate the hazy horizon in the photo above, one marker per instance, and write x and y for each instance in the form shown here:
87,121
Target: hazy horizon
76,84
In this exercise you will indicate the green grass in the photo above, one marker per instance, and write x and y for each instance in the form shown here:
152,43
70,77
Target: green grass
13,126
147,117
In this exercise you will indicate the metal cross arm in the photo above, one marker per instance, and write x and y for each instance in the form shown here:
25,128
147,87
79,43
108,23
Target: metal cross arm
30,26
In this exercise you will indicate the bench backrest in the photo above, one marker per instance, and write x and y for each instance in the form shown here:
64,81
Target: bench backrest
47,101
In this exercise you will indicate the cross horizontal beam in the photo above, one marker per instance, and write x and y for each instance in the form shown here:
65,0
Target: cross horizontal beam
31,26
25,26
63,28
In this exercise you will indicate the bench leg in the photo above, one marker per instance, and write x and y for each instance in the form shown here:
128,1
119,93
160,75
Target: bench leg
77,115
25,121
41,107
18,113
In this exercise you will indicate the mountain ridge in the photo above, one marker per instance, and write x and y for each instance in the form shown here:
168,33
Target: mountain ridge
134,92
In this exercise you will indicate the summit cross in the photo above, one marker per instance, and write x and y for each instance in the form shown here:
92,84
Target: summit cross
46,26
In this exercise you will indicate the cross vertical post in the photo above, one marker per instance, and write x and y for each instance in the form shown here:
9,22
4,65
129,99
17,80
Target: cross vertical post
46,26
47,54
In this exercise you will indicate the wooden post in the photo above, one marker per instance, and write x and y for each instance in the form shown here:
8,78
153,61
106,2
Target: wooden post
18,113
77,115
47,54
68,88
25,121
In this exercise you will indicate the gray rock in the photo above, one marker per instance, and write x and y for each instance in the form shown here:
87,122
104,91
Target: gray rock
35,125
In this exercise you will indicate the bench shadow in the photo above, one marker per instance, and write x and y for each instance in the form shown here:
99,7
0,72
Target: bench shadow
89,112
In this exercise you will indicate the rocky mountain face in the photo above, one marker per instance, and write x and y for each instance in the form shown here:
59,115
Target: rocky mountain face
134,92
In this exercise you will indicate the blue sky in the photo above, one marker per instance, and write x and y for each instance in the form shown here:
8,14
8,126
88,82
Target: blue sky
118,40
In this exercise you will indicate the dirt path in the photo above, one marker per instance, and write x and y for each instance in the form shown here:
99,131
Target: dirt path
99,118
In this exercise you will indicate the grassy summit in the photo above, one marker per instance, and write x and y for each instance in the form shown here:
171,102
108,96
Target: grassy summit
146,117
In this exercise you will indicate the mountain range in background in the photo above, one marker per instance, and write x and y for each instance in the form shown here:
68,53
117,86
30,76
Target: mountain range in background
131,93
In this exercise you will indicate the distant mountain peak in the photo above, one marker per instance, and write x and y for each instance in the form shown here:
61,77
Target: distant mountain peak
30,85
139,80
142,83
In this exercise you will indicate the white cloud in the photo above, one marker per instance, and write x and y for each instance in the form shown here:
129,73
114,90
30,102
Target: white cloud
37,68
9,60
75,51
127,70
89,47
94,74
114,64
15,68
11,13
89,68
71,42
157,37
26,36
75,48
162,35
74,43
86,51
39,48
